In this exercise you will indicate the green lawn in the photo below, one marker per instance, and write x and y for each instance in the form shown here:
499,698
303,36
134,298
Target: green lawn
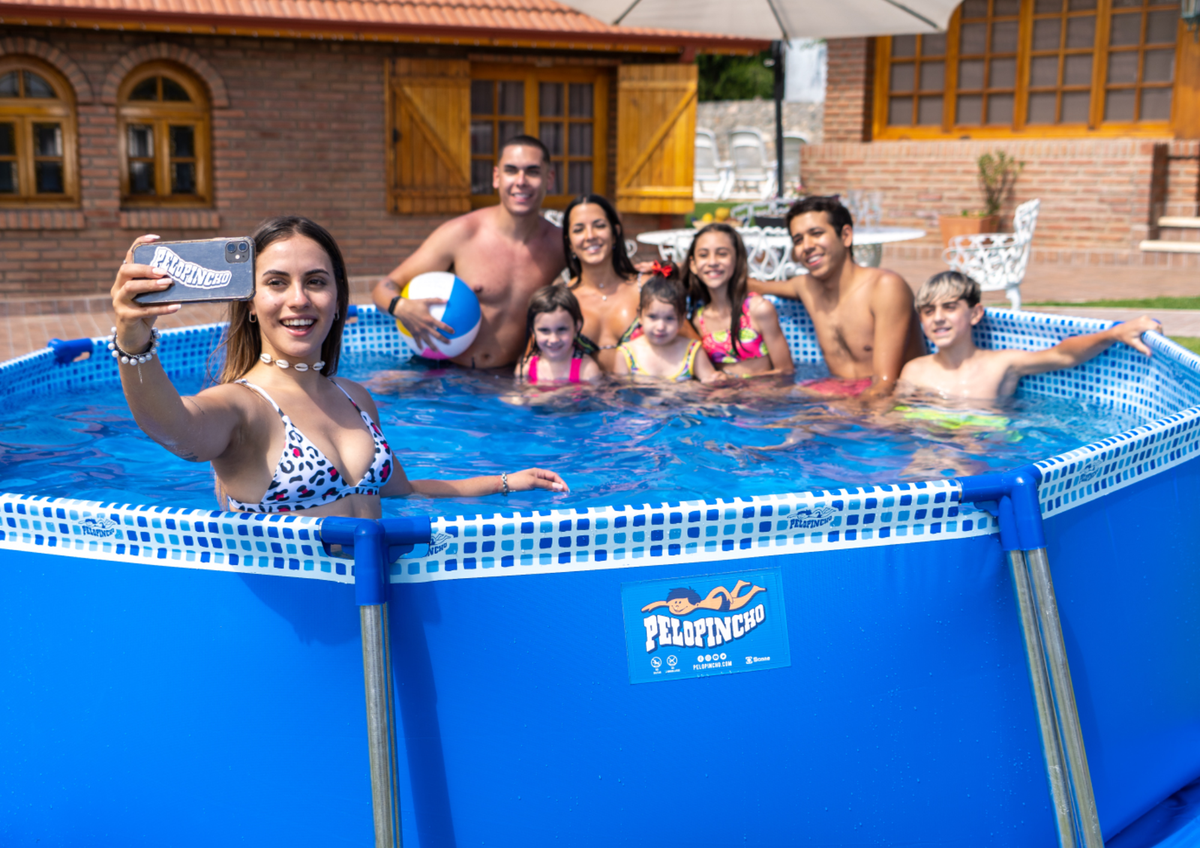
1144,303
1190,343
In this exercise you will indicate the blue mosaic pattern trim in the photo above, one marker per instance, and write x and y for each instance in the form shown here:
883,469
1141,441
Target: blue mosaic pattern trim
190,538
798,330
183,352
1149,387
1075,478
375,331
549,541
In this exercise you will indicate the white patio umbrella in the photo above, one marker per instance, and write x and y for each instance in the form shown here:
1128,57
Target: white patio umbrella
776,19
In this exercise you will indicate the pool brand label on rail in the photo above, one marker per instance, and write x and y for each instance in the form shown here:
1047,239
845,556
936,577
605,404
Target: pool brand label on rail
684,627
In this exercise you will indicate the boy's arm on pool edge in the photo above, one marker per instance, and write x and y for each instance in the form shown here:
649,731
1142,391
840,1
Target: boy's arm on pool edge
1079,349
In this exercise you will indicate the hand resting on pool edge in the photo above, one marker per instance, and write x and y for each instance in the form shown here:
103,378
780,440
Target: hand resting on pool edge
278,436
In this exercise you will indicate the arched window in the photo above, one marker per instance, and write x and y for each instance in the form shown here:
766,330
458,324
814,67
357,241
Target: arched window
37,135
163,121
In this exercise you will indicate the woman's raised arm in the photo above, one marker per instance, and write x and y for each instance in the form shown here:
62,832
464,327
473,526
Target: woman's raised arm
198,429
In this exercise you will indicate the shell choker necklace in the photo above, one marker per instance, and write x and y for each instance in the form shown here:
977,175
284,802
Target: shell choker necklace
283,363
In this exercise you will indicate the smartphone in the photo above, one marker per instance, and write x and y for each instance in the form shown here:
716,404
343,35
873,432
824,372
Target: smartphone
202,270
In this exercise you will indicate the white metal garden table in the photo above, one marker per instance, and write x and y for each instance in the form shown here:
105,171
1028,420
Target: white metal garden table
770,248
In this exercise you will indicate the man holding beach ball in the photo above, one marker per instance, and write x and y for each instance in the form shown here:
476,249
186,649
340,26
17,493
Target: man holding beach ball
502,254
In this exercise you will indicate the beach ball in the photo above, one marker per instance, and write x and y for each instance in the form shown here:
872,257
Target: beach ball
460,311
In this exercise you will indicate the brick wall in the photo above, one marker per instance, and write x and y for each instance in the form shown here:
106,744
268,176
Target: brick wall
1095,193
298,128
303,133
848,90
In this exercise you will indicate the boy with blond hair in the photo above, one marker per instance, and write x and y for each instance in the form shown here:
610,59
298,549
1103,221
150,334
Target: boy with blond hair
949,308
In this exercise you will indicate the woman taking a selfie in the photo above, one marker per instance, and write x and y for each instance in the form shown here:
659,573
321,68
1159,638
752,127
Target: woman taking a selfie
281,432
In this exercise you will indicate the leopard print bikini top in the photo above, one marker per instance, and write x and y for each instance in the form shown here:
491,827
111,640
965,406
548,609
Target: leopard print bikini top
305,477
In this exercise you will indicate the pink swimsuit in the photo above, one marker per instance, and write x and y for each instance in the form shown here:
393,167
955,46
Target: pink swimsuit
576,362
719,346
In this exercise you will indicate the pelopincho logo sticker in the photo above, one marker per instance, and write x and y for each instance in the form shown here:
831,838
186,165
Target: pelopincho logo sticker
699,626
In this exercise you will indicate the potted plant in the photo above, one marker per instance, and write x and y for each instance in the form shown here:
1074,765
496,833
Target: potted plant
997,173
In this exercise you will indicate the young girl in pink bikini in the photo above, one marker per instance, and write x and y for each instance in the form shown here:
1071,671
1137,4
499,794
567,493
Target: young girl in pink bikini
555,355
739,330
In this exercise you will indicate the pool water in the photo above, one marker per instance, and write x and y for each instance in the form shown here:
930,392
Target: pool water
614,443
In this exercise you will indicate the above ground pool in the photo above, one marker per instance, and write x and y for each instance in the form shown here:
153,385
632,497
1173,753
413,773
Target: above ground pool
780,625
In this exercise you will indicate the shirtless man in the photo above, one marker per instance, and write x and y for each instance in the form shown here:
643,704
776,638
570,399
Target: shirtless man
504,253
863,316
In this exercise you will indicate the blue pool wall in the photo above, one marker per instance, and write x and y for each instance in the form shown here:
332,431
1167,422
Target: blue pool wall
183,676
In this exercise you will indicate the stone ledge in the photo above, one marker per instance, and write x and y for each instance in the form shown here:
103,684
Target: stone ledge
175,219
41,219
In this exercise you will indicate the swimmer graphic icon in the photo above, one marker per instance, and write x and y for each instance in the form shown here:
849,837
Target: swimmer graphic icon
685,601
701,625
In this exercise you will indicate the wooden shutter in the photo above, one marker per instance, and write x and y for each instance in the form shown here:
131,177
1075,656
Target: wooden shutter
429,127
656,138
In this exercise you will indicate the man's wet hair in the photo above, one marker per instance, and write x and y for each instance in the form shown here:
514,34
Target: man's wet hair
838,215
523,141
947,286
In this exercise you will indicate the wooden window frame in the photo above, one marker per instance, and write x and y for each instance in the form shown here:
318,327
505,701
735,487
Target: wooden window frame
25,112
531,75
161,115
1020,128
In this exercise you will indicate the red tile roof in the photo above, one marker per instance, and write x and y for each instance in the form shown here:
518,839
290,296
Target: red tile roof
509,20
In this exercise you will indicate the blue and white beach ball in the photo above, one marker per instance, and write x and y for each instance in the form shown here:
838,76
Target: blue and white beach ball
461,311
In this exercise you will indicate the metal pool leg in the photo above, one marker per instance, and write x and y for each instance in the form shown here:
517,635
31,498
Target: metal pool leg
375,544
370,591
1056,764
1064,695
1014,498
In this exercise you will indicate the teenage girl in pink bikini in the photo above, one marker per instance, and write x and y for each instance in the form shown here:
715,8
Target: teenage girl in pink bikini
555,355
740,331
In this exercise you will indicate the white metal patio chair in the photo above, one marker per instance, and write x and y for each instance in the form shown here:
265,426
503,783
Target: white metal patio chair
753,174
769,253
710,179
792,144
774,208
997,261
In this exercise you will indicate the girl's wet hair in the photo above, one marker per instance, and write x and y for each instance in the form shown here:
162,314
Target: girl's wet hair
549,299
243,342
739,284
948,285
667,288
622,264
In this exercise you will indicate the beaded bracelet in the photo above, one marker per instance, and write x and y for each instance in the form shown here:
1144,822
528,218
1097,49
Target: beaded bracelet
126,358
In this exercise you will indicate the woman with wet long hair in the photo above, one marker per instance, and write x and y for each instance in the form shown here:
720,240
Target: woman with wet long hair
603,278
282,433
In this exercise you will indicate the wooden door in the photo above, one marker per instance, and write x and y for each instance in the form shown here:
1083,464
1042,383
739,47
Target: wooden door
656,138
429,125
